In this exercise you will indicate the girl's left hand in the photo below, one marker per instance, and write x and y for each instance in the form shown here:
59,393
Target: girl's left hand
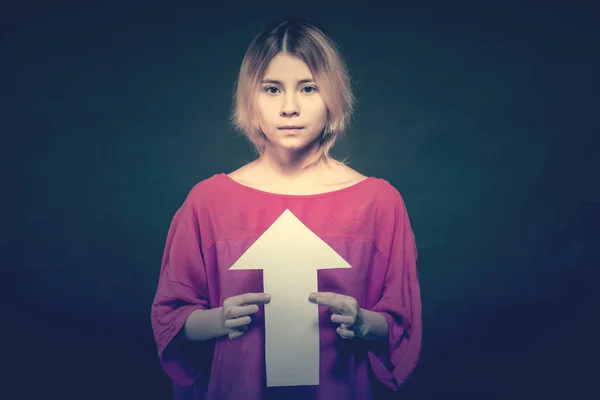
345,312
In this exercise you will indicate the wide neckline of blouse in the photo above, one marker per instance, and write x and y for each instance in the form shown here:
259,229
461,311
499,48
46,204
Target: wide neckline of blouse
350,188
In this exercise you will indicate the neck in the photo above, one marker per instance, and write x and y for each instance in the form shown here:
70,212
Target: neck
291,165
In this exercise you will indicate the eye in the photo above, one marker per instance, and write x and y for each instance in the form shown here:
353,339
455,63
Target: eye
271,89
310,89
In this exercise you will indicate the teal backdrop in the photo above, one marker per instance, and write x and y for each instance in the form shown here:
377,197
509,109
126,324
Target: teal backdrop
483,114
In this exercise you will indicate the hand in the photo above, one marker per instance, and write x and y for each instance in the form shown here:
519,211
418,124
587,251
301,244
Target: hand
237,311
345,312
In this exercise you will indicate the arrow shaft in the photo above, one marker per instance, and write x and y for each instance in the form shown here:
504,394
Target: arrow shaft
291,328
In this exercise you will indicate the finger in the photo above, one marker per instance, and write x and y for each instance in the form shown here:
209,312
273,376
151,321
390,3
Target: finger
342,319
332,300
237,322
252,298
236,333
247,298
235,312
345,333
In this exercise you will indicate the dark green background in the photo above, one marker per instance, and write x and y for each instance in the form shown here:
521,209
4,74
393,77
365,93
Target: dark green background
483,114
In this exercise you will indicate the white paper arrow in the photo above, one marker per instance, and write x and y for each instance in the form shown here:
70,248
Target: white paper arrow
290,254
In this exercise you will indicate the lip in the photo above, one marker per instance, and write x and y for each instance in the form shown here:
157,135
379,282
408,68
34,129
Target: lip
288,128
290,131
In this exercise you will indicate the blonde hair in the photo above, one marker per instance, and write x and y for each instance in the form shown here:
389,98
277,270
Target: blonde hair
304,40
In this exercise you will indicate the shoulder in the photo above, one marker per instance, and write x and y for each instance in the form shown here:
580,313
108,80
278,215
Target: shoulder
210,183
380,190
242,174
384,192
202,193
341,176
391,219
199,199
388,202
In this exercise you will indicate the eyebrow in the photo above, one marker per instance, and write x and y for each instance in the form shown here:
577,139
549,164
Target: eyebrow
276,82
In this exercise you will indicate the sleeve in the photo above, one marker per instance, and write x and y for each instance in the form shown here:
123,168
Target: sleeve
400,304
182,288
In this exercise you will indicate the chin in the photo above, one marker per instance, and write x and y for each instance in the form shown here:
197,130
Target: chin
291,147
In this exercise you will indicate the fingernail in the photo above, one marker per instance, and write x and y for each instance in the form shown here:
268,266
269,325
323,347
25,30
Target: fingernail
267,296
312,296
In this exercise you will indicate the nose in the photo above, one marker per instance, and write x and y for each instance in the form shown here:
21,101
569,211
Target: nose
289,106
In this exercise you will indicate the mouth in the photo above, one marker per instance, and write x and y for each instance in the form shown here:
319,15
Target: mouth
290,128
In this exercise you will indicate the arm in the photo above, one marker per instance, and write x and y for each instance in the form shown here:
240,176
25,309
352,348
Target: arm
204,325
182,290
231,319
373,326
354,321
400,302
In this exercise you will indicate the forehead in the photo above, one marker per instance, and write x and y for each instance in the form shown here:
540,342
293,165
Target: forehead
285,67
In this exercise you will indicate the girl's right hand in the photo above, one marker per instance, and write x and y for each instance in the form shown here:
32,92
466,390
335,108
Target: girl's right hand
237,311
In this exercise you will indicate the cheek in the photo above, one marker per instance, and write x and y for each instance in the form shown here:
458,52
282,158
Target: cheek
264,111
322,110
317,110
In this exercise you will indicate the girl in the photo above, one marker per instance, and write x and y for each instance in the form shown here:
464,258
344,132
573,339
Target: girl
293,100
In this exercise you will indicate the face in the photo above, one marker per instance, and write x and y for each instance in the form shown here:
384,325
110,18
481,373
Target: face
292,113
